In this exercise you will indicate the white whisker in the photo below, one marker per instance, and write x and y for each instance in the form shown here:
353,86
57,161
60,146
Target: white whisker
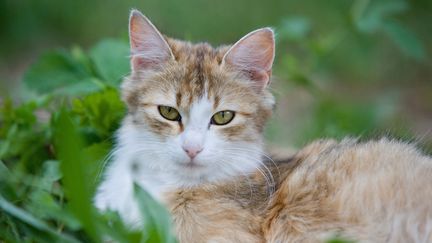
225,163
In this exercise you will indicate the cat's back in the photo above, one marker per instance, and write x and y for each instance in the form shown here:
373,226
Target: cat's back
376,191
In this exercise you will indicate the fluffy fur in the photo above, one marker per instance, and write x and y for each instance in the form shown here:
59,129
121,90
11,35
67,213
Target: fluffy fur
377,191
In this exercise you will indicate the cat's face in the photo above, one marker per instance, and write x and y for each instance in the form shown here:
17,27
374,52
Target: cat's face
196,114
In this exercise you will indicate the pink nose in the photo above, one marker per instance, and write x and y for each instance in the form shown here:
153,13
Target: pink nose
192,151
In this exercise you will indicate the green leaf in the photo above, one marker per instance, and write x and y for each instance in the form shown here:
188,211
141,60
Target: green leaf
21,135
50,174
111,60
100,113
69,146
156,219
51,170
85,86
338,239
295,74
44,206
55,71
406,40
294,28
29,219
337,119
369,16
96,154
118,231
4,171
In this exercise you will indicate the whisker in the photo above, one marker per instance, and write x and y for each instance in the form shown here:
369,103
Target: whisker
104,163
261,153
244,174
270,183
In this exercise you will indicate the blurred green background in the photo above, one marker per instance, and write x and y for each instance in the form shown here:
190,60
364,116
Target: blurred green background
342,68
359,68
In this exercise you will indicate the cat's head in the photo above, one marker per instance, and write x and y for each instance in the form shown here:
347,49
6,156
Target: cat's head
196,114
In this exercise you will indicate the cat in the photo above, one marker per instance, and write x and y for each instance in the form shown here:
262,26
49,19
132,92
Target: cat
193,139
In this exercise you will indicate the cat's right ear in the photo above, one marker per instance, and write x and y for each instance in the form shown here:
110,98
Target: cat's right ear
149,49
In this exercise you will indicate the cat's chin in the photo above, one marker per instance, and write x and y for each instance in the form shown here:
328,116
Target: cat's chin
191,165
189,175
192,173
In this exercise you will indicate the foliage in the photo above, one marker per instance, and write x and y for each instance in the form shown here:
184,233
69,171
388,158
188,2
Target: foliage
53,145
53,149
308,60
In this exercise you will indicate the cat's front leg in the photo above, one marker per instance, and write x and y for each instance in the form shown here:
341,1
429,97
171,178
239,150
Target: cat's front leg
115,193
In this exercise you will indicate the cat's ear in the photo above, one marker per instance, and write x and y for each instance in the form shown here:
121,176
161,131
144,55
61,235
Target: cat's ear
149,49
253,56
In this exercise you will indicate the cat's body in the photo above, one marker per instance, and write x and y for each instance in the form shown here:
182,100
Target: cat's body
193,139
350,189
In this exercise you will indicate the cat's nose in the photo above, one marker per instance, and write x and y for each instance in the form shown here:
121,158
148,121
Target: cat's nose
192,151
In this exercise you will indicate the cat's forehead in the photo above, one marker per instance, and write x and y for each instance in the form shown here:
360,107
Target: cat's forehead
198,70
196,54
197,74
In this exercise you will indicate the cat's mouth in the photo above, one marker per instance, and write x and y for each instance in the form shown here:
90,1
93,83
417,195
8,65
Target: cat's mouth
191,165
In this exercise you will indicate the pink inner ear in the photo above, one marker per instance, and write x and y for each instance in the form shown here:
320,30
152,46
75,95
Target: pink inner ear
253,55
148,47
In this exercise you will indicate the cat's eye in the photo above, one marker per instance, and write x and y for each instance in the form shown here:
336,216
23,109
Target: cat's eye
169,113
222,117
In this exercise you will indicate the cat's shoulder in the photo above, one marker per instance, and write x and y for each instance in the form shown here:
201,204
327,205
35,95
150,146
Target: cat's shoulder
352,148
383,148
351,155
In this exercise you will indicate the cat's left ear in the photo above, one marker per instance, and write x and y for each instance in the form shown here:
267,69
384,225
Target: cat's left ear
253,55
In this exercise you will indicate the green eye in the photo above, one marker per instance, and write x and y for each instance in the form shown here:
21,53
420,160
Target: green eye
222,117
169,113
